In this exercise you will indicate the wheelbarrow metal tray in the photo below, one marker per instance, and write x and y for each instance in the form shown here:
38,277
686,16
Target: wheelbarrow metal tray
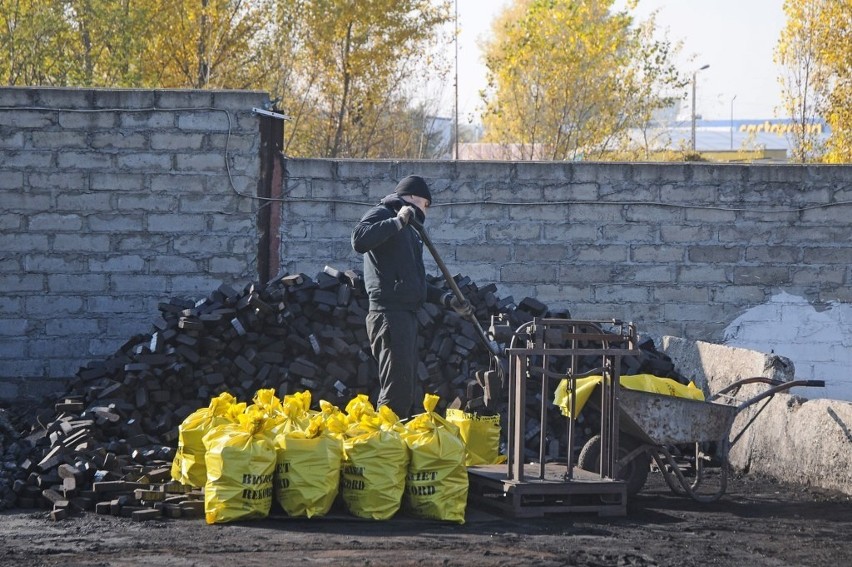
668,420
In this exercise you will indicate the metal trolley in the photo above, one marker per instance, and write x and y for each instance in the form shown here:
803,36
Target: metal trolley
526,489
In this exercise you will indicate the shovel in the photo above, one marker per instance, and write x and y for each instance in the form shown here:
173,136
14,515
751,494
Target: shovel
492,346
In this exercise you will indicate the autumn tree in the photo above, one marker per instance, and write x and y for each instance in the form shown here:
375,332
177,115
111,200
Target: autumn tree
31,37
568,79
347,69
815,52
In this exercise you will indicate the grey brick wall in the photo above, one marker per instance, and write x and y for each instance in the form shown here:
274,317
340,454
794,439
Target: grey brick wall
114,200
680,249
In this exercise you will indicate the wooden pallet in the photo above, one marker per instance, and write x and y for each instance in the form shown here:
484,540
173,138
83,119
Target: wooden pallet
535,497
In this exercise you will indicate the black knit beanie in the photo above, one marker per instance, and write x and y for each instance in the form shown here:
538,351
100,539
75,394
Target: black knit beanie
414,185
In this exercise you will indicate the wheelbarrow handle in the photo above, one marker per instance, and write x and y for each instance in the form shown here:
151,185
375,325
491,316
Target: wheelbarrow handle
780,388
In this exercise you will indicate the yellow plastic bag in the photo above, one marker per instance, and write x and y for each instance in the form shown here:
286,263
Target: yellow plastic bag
641,382
188,466
436,485
240,462
374,467
481,436
307,473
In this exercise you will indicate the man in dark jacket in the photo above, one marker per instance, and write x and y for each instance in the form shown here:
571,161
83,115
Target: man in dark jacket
396,284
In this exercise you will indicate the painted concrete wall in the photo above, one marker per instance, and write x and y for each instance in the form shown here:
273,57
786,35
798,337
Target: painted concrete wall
701,251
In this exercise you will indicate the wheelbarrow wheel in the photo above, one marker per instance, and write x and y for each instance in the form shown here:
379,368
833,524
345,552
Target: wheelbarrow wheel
634,473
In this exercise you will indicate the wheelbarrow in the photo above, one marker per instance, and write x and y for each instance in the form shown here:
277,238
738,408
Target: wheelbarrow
659,427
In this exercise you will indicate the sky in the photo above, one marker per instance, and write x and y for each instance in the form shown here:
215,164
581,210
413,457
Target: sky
735,37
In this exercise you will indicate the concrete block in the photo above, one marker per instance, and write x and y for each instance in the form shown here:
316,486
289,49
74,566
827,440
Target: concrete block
81,243
655,214
227,265
311,168
13,327
675,234
84,160
82,283
123,98
15,201
571,232
206,120
25,242
51,305
827,255
71,327
173,265
809,275
117,181
646,274
595,213
197,244
11,283
149,120
540,212
54,222
83,202
621,293
176,223
247,143
11,180
88,120
10,305
513,231
115,223
52,139
51,264
119,139
27,119
739,295
657,254
14,348
200,285
632,233
200,162
124,263
528,272
145,161
128,325
195,203
176,141
70,347
541,252
174,183
605,254
714,254
483,253
33,159
763,275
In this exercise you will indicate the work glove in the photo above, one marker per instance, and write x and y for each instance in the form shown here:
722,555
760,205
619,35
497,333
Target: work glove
403,216
463,308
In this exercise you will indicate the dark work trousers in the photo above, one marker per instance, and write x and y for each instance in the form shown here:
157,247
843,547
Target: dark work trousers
393,340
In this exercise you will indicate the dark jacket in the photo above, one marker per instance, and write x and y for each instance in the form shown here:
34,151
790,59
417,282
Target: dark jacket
394,274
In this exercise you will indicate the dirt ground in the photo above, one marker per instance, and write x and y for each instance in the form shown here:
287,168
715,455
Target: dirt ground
756,523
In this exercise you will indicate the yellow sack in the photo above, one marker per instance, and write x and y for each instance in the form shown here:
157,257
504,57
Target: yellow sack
188,466
307,473
436,485
640,382
374,467
481,436
240,466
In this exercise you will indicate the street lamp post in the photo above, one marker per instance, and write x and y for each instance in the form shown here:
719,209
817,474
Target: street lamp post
693,104
732,121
